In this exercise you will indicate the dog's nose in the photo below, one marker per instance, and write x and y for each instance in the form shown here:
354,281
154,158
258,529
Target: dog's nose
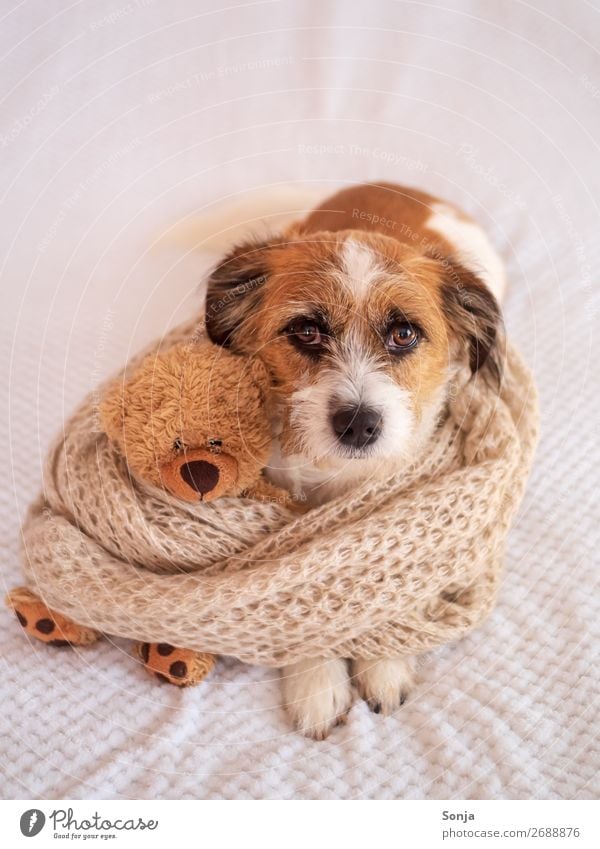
200,475
357,427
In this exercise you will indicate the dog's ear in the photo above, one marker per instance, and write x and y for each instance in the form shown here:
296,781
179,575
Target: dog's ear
234,290
475,317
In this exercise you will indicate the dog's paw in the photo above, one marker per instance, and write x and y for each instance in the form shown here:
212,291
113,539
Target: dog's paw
384,684
317,695
182,667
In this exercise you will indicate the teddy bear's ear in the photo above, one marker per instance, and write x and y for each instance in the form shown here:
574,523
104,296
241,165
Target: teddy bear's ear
260,375
234,291
113,409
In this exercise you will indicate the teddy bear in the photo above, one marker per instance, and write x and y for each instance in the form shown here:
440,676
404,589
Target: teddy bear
192,421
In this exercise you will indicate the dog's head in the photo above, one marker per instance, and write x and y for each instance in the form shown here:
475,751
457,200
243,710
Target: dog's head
360,332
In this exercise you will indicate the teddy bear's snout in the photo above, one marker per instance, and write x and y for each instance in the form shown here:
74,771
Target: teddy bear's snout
200,475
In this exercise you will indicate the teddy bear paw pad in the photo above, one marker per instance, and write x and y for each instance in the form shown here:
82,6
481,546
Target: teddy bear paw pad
41,623
182,667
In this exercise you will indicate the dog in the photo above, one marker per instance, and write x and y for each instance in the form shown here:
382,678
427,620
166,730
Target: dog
363,312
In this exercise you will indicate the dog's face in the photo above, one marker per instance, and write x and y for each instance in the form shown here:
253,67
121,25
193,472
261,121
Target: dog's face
360,333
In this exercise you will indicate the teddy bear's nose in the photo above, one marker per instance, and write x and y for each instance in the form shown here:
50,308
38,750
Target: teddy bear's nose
200,475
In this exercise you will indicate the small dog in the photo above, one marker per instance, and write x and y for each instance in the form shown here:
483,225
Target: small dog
362,312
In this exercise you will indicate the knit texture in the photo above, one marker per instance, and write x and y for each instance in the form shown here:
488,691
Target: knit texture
397,567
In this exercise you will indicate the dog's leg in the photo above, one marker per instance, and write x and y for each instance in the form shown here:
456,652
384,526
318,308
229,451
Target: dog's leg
317,694
384,684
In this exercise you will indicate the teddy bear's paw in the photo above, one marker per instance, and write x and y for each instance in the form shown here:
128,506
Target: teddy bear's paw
182,667
43,624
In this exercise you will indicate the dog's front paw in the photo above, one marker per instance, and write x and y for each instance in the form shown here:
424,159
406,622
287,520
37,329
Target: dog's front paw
384,684
317,695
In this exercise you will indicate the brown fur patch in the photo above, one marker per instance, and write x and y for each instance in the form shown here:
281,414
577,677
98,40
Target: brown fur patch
400,212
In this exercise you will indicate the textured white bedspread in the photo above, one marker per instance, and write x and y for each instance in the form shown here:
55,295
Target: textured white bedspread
120,120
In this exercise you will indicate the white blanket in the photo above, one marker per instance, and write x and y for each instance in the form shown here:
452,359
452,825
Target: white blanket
124,122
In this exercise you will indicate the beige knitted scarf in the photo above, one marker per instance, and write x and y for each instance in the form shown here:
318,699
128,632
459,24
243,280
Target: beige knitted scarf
396,567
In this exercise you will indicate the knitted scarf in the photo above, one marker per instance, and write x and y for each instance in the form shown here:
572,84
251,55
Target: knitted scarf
398,566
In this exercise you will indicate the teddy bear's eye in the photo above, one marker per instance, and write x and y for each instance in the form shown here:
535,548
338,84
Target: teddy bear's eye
178,445
214,445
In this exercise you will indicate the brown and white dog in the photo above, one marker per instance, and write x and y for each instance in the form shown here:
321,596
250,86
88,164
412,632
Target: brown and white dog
362,312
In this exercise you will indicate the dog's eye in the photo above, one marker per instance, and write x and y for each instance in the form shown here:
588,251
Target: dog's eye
306,332
402,337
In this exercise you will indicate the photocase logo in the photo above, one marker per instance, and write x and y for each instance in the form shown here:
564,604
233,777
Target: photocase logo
32,822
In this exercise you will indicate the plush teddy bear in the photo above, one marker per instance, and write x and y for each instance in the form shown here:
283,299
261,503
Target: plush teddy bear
192,420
